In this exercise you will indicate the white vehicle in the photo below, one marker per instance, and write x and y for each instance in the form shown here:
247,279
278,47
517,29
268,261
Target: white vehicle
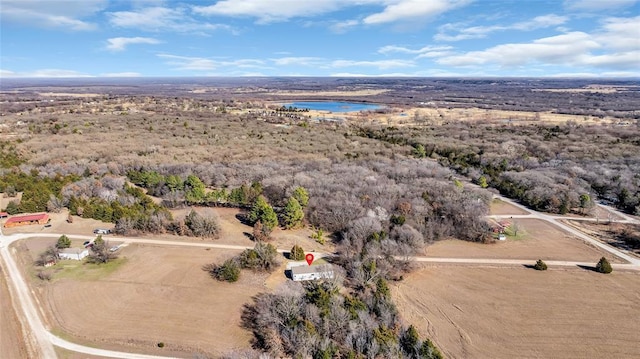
101,231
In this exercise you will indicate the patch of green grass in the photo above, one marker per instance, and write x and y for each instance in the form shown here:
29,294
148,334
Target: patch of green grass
521,234
81,270
58,332
319,261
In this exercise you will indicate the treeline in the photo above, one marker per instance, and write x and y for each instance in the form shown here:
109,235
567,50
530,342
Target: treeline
9,156
176,191
108,199
548,168
192,191
37,191
421,191
111,199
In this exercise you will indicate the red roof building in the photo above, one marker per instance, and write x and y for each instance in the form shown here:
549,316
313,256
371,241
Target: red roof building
41,218
4,214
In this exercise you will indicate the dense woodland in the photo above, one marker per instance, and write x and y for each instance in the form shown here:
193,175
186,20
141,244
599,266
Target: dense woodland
551,168
383,192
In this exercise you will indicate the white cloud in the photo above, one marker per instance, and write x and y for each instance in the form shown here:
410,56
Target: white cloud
349,74
52,13
343,26
121,74
595,75
162,19
413,10
299,61
620,33
625,60
274,10
44,73
386,74
189,63
561,49
596,5
205,64
120,43
424,52
267,11
380,64
7,73
476,32
614,46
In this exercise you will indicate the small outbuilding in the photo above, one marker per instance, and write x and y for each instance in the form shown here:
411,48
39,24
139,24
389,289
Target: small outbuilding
41,218
76,254
306,272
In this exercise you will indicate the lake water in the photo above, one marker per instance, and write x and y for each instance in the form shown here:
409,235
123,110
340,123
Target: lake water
334,106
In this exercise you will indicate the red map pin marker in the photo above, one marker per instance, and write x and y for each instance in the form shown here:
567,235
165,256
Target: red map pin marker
309,258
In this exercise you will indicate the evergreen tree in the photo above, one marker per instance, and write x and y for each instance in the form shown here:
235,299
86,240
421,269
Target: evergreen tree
604,266
293,214
194,189
297,253
540,265
482,182
419,151
63,242
264,213
301,194
229,271
410,342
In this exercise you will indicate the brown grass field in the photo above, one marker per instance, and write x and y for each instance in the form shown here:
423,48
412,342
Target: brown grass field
523,313
500,207
159,294
11,341
536,239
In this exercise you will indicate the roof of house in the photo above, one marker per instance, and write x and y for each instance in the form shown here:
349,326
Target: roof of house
72,250
4,214
311,269
28,218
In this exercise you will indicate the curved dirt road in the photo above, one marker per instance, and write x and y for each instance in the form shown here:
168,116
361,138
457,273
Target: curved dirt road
634,261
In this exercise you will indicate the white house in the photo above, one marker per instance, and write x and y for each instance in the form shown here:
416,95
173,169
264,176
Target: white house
306,272
73,253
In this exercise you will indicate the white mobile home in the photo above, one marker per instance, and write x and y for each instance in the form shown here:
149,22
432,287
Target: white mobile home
73,253
305,272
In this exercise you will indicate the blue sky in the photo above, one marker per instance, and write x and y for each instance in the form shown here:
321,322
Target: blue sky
118,38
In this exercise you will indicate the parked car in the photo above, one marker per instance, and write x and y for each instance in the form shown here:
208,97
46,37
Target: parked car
101,231
86,243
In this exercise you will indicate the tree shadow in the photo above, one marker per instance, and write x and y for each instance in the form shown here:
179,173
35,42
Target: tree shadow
243,219
249,321
211,269
288,274
530,266
589,268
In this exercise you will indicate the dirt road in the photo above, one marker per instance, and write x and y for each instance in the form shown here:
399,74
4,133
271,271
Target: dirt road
555,221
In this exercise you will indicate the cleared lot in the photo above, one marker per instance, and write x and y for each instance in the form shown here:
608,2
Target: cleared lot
158,294
523,313
536,239
500,207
